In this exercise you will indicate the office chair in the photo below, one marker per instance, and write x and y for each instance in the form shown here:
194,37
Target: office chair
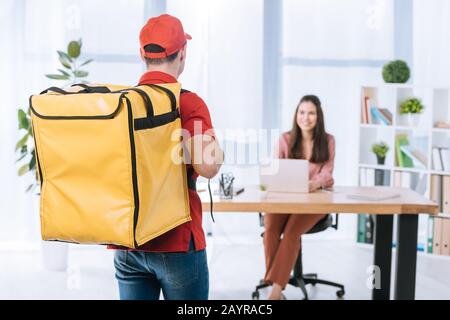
298,278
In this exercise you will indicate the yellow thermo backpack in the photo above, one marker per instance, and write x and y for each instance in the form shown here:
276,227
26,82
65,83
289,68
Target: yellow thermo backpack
109,163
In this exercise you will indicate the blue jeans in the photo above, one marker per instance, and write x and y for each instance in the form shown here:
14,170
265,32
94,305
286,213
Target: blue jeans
180,275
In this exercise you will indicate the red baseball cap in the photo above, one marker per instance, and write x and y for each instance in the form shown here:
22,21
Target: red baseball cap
165,31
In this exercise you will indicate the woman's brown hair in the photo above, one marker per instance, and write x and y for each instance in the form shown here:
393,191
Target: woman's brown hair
320,152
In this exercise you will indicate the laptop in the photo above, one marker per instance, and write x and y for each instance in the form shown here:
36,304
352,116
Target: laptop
285,175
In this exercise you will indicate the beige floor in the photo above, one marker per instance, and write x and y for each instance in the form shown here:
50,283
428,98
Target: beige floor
236,265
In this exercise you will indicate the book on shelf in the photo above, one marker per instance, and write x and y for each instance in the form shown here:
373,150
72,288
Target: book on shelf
403,160
371,114
379,116
437,159
419,159
368,105
387,114
442,125
365,116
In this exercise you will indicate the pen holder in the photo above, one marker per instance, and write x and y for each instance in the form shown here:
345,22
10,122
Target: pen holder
226,186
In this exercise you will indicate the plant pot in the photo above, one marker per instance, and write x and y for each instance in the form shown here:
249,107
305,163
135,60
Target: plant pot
381,160
413,119
55,255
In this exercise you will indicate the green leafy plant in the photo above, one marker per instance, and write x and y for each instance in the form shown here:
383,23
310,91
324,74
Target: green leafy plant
380,149
70,65
411,105
72,73
396,71
27,154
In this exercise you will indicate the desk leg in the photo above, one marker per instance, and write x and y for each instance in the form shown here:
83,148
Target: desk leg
383,255
405,269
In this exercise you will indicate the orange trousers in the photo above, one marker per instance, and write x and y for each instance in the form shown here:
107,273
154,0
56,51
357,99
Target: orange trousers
282,237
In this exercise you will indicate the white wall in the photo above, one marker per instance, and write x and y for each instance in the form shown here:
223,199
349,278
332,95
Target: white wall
432,43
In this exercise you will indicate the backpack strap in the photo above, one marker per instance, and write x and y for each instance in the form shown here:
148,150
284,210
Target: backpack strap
89,89
191,182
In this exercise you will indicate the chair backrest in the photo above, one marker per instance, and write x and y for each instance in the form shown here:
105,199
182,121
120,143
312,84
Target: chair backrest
325,223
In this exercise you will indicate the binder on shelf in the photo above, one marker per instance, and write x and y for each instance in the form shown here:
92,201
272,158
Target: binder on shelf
445,157
445,242
422,233
403,160
421,186
430,234
368,228
437,160
446,194
406,180
437,235
379,177
361,228
397,179
370,177
436,190
362,176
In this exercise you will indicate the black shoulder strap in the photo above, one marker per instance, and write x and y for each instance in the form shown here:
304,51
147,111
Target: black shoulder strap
185,91
190,179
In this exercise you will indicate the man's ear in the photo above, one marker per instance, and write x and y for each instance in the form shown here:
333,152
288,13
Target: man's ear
183,53
143,58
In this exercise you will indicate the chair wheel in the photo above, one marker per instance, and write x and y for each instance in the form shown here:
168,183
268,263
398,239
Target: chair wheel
255,295
340,293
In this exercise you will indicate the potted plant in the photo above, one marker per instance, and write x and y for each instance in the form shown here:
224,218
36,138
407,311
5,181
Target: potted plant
396,71
411,108
54,253
380,150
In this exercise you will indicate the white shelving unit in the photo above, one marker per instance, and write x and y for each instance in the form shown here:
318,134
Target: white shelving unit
422,134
